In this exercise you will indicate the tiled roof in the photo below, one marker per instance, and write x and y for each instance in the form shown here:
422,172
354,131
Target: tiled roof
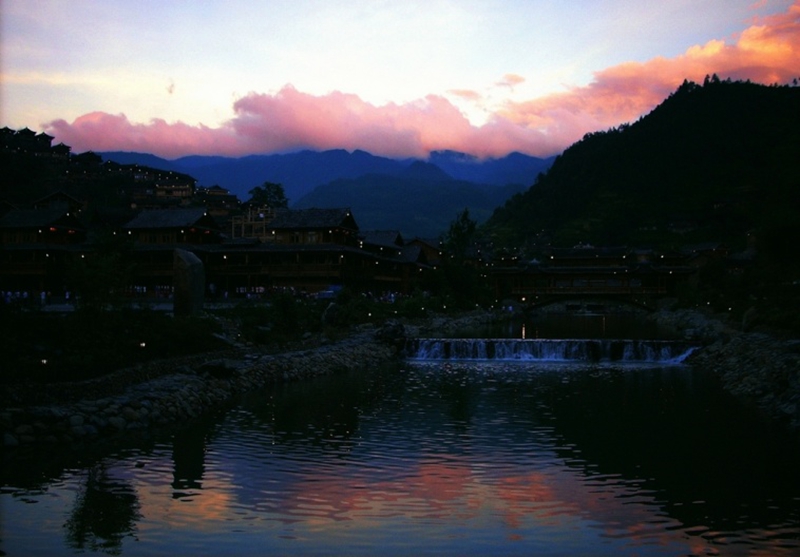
312,218
166,218
386,238
31,218
414,254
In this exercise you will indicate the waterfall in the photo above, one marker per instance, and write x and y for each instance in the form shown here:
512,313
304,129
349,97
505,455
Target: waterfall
553,350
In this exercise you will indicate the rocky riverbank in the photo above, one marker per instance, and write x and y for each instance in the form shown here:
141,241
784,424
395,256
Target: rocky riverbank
169,392
762,368
163,393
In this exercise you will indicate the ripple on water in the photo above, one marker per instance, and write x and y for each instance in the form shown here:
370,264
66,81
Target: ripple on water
463,458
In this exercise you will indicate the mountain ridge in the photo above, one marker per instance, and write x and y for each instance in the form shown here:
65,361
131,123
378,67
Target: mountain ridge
301,172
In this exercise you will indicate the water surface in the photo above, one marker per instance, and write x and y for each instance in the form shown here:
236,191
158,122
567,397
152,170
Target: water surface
436,458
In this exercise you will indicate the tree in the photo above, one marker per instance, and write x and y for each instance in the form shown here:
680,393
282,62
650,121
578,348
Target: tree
460,236
269,194
463,280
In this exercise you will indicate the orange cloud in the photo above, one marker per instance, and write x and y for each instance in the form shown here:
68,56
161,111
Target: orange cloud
768,51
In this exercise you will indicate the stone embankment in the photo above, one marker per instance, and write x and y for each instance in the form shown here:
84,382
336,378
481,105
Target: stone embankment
168,392
762,368
756,366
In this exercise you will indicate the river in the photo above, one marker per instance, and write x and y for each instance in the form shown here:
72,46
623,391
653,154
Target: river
458,457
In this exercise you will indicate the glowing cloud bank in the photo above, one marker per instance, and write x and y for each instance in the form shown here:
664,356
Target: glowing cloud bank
768,51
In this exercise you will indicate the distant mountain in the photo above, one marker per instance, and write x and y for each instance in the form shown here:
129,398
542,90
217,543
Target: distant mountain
142,159
420,201
514,168
717,162
301,172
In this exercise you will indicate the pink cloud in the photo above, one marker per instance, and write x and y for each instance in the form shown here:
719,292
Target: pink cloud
510,80
291,120
466,94
768,51
99,131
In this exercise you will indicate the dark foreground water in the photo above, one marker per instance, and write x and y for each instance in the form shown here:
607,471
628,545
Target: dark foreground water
458,458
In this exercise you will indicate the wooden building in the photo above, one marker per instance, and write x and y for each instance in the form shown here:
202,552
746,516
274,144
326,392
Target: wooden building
37,247
313,226
589,271
50,225
173,226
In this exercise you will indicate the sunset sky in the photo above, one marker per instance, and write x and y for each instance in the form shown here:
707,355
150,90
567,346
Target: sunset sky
486,77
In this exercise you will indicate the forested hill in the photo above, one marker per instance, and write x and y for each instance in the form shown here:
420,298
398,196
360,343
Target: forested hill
711,163
421,201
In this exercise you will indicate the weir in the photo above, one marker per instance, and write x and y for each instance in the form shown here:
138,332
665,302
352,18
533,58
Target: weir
548,350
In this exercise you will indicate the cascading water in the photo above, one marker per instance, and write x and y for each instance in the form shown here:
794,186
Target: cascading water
553,350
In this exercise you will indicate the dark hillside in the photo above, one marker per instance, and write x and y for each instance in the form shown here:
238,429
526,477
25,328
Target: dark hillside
421,201
711,163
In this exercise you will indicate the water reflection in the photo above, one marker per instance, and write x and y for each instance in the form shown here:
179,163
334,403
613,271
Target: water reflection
458,458
105,510
188,456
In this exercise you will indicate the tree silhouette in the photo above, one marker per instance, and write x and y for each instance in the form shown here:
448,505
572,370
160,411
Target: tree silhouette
105,512
269,194
460,236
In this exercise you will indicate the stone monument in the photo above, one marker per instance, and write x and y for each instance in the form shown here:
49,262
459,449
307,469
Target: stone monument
189,280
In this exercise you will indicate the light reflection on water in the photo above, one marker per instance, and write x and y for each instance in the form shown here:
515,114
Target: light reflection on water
501,458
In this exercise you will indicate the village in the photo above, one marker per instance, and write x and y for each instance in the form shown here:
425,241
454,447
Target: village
249,250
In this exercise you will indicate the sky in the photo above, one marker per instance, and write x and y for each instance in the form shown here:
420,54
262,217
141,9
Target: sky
398,79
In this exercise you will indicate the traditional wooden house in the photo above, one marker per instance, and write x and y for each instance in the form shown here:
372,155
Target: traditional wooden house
60,199
50,225
37,247
173,226
399,267
387,243
177,194
431,248
155,234
24,140
310,250
313,226
43,143
61,152
7,137
589,271
218,201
